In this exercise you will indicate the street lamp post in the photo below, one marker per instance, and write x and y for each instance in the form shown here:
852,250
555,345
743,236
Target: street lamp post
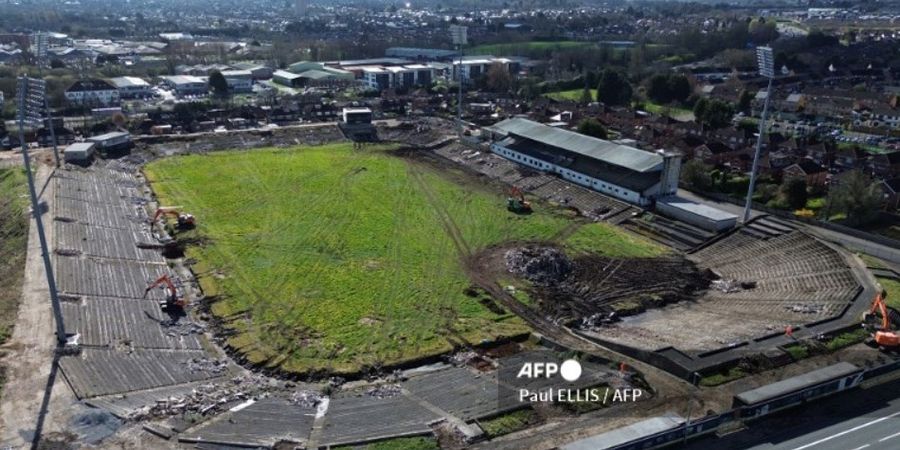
766,59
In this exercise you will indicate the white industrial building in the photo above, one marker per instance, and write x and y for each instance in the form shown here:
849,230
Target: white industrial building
626,173
111,141
131,87
697,214
79,152
185,84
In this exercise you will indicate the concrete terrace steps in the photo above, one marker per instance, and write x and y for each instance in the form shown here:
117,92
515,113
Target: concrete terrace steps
675,234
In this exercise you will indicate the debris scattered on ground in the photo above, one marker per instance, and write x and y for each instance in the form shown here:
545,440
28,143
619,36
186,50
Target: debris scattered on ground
726,286
815,308
306,399
462,358
384,391
216,397
214,366
540,265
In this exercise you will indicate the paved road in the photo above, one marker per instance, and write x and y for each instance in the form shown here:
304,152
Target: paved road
850,242
865,419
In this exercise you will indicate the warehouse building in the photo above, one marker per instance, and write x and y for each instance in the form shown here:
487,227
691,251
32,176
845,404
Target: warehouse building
79,153
617,170
185,84
288,79
114,141
132,87
420,54
239,81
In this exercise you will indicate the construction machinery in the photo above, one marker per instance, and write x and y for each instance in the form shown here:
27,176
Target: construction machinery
171,301
516,202
185,220
884,336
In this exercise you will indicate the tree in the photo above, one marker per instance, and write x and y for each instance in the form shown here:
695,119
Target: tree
613,88
762,31
586,95
713,113
218,84
668,88
593,127
679,87
658,89
745,101
696,175
793,191
857,197
498,78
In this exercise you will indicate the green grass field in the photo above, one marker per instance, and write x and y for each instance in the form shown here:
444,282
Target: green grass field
13,242
334,259
573,95
527,48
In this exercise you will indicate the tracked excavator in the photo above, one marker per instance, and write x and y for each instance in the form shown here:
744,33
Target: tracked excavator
171,301
516,202
884,336
185,221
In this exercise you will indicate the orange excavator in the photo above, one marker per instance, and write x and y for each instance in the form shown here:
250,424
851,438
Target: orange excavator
172,300
884,336
516,202
185,220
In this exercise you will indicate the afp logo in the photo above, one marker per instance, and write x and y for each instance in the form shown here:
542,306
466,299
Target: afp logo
569,370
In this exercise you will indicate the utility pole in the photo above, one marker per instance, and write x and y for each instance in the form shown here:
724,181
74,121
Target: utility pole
766,60
459,34
30,96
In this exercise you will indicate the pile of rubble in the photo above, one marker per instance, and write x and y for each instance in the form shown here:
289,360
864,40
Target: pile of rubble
541,265
216,397
384,391
729,286
213,366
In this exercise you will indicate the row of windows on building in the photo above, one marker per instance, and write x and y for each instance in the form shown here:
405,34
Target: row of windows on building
542,165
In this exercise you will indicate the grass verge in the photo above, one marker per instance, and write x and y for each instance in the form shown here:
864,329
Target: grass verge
13,244
723,377
410,443
508,423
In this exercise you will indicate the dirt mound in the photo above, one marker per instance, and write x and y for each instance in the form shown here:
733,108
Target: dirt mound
590,290
544,266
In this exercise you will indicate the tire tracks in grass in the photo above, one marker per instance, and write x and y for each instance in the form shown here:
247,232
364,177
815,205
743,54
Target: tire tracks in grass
449,225
463,250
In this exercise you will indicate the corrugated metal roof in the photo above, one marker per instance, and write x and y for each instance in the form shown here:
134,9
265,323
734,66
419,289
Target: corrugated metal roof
628,433
775,390
606,151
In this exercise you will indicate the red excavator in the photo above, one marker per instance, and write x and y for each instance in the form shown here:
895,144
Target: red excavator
172,300
185,220
516,202
884,336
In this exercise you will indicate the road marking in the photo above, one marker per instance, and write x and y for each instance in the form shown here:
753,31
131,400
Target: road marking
858,427
889,437
861,447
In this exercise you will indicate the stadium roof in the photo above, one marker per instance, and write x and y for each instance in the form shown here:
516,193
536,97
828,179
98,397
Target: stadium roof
599,149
